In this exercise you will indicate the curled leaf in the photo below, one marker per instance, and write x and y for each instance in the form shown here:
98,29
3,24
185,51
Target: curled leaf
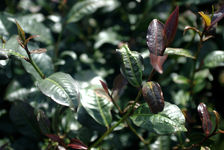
38,51
206,18
21,33
170,27
156,39
157,62
205,118
132,65
77,144
192,28
153,95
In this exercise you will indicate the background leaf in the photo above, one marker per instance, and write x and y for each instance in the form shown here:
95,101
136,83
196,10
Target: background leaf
214,59
23,117
61,88
170,120
179,52
87,7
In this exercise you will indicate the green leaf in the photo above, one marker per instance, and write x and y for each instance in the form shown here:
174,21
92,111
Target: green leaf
34,27
132,65
214,59
180,79
87,7
179,51
23,117
97,106
9,52
61,88
21,33
169,121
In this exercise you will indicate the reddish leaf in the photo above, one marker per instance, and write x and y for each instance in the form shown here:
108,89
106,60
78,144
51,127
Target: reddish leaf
77,144
153,95
21,33
217,17
156,40
30,37
101,93
56,138
38,51
171,26
157,62
104,85
205,118
118,86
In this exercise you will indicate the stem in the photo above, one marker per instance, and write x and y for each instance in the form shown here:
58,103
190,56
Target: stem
135,132
115,104
33,63
118,123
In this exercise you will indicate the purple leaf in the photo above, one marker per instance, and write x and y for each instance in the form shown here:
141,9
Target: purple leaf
56,138
171,26
104,85
77,144
217,17
156,40
205,118
157,62
118,86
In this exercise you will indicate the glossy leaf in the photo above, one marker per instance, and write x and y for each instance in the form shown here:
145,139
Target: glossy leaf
131,66
214,59
169,121
157,62
3,55
170,27
98,107
206,18
179,52
87,7
77,144
156,40
205,118
23,117
61,88
153,95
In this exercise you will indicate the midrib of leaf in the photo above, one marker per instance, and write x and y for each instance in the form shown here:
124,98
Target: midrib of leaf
158,115
12,52
54,82
127,51
101,112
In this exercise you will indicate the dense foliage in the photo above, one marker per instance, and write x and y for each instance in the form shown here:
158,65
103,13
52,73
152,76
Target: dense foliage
111,74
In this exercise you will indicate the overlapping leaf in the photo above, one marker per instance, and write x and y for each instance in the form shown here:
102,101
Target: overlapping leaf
155,37
61,88
98,107
132,65
169,121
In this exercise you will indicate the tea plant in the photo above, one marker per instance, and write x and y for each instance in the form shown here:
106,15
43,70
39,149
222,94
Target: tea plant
62,99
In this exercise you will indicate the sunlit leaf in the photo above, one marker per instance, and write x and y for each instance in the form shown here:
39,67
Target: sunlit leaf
98,107
206,18
87,7
169,121
61,88
131,66
179,52
214,59
155,37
